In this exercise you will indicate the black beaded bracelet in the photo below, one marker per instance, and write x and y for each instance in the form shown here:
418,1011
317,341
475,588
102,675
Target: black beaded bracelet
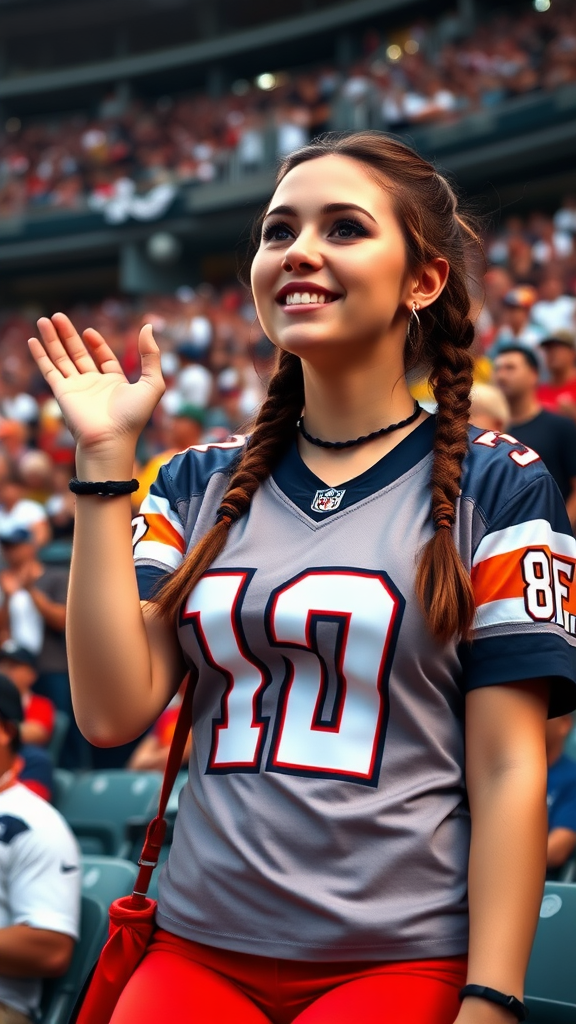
103,488
492,995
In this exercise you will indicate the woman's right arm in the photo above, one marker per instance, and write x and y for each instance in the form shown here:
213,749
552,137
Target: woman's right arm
125,663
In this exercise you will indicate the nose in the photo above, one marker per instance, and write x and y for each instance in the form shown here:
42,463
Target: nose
304,253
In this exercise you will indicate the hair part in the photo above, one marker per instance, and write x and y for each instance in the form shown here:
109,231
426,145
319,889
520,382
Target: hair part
426,208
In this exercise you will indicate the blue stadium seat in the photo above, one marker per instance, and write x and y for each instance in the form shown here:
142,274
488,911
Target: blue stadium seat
62,781
551,979
107,878
100,805
60,994
61,726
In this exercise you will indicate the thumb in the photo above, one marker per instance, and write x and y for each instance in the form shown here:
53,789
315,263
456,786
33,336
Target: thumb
150,359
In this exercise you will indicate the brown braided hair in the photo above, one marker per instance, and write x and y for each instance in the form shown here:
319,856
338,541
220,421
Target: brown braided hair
426,207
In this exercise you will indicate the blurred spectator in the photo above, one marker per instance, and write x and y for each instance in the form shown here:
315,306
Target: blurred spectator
552,436
489,409
20,620
20,665
554,310
17,512
561,796
558,394
516,325
40,878
181,431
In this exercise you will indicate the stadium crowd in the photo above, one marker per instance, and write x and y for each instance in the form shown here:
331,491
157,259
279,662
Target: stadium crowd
134,154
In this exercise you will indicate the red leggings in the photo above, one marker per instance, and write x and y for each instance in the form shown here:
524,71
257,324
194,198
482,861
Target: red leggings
188,983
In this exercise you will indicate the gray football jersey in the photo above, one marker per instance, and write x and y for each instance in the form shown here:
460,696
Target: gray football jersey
326,816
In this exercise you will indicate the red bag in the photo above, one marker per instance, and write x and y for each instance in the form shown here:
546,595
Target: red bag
132,918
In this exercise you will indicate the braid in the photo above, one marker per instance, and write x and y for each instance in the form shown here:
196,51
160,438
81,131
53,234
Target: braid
273,431
442,584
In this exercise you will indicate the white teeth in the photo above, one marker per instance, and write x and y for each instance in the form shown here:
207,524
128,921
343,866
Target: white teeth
305,298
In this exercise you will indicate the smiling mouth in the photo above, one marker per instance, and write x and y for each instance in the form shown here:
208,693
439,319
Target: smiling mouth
307,299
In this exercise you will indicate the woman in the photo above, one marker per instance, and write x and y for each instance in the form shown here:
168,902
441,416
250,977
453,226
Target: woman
320,859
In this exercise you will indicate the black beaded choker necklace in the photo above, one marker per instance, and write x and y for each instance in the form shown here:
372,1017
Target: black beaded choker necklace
359,440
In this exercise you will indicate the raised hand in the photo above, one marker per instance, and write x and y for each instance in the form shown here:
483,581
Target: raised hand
102,409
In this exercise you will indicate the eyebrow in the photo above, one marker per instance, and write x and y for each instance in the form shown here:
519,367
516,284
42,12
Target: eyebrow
289,211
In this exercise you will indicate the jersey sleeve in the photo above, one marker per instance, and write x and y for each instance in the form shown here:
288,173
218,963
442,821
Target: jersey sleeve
524,581
180,505
158,536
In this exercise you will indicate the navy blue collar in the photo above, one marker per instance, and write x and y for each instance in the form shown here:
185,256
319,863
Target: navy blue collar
318,501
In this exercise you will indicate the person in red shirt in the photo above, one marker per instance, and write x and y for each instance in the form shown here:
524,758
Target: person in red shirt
19,665
559,394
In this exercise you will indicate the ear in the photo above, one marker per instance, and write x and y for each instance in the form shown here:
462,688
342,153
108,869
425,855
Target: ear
431,281
6,733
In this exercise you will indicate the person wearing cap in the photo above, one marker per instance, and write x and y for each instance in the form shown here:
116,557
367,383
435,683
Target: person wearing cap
21,666
181,430
553,437
40,879
517,327
558,394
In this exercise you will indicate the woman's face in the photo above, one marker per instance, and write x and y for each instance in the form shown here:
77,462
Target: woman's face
331,266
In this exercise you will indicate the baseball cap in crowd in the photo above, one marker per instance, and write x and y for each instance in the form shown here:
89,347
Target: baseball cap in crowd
15,535
522,297
10,701
187,411
11,651
560,337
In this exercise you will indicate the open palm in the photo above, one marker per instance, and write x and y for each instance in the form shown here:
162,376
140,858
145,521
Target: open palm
100,406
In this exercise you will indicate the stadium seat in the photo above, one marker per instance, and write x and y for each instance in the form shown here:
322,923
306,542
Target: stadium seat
61,724
60,994
99,806
107,878
551,979
62,781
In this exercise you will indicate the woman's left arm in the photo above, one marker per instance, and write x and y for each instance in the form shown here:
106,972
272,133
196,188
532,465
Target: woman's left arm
506,783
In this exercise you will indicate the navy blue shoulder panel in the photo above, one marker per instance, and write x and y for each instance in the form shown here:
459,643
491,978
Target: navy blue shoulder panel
10,827
500,473
189,472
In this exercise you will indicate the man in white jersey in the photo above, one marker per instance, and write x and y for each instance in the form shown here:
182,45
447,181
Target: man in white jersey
40,880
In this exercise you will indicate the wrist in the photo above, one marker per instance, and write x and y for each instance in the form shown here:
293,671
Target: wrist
479,1011
105,464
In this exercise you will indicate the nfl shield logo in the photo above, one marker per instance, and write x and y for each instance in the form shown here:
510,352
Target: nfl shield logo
328,500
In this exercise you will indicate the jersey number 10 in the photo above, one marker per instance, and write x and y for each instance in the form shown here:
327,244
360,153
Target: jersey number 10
342,740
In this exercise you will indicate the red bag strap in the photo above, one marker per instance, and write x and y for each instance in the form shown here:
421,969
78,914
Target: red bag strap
157,828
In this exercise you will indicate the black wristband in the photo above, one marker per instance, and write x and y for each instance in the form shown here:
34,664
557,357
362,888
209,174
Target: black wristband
492,995
103,488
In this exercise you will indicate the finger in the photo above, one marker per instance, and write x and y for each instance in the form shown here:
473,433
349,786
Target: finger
102,354
73,343
50,373
55,348
150,359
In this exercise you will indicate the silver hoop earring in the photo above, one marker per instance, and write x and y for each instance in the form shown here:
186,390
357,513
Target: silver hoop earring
413,326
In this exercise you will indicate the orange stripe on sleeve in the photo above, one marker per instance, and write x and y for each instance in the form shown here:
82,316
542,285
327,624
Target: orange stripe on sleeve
161,531
500,577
